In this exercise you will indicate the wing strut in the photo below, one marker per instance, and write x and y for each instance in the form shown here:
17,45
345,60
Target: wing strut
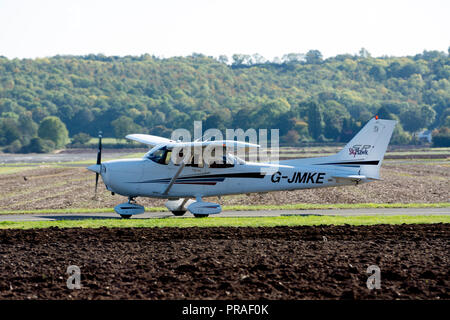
174,178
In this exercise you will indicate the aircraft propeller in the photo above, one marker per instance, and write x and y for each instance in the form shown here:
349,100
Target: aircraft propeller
99,159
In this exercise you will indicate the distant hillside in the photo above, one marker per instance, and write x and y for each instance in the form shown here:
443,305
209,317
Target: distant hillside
306,97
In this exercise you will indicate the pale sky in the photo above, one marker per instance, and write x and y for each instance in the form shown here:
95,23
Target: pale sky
166,28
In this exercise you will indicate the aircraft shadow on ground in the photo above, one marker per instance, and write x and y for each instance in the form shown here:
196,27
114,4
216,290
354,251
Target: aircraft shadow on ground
69,217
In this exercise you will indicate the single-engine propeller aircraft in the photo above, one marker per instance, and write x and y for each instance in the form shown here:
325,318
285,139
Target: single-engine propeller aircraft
184,183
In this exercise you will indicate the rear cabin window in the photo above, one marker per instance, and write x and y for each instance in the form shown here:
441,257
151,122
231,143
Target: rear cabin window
225,163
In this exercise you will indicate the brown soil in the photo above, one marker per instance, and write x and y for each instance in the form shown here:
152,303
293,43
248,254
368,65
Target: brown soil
59,188
327,262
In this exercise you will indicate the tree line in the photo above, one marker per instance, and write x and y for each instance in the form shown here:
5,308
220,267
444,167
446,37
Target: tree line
45,101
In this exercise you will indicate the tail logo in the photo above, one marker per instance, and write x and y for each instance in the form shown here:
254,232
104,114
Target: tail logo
358,150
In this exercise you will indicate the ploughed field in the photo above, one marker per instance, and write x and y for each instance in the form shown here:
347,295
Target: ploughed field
61,187
323,262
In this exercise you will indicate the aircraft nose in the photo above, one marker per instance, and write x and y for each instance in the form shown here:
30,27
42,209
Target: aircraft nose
95,168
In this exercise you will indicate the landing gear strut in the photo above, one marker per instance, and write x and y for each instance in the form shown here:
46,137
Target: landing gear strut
131,200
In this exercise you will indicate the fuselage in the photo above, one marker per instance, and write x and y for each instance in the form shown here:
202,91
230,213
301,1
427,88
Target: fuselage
146,178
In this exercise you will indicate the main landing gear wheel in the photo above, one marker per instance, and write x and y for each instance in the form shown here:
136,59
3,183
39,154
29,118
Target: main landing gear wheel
201,215
125,216
178,213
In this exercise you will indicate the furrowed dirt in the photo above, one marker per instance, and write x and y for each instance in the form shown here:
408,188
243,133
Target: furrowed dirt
326,262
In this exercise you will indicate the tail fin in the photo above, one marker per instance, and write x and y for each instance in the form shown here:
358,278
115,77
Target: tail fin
368,147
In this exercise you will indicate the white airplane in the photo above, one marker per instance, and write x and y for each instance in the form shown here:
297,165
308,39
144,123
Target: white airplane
184,183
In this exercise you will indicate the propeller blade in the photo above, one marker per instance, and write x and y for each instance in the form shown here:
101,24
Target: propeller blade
99,159
99,153
96,182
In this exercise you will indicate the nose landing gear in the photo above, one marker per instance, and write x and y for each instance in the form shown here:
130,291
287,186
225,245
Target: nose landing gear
127,209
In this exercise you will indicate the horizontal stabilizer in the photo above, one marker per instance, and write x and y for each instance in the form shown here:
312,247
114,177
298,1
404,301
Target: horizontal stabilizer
353,178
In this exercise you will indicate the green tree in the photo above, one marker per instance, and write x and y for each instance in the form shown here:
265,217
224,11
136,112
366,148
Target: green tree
313,57
446,122
293,58
291,137
81,138
28,127
38,145
314,120
223,59
123,126
416,118
383,113
53,129
441,138
378,73
9,131
218,120
87,93
14,147
333,116
400,136
363,53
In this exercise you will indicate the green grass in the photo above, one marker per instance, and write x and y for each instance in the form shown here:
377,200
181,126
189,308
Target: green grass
298,206
311,206
227,222
74,210
107,140
10,170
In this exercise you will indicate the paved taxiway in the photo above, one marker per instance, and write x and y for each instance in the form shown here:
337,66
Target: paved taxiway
259,213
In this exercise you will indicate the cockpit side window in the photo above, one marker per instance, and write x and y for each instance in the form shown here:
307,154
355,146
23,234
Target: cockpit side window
161,156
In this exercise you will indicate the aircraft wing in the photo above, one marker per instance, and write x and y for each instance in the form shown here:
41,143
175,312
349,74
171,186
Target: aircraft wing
149,139
216,143
155,140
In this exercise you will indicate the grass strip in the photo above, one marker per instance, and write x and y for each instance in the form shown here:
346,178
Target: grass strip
312,206
297,206
290,221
